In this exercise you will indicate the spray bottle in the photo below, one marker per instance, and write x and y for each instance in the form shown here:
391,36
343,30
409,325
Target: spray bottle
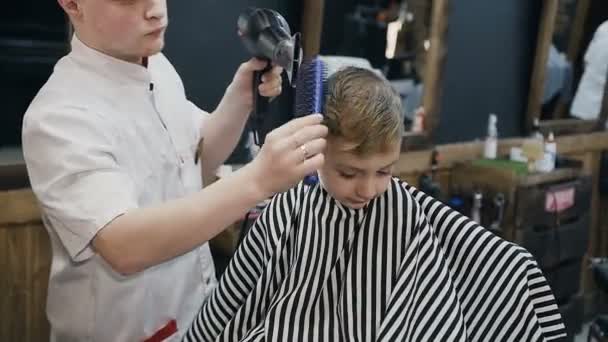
491,142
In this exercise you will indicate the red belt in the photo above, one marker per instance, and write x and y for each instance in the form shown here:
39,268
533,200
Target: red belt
164,332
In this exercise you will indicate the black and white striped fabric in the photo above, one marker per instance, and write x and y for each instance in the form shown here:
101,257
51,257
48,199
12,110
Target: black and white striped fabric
405,268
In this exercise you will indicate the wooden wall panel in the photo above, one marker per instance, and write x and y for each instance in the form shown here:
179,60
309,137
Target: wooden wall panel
25,259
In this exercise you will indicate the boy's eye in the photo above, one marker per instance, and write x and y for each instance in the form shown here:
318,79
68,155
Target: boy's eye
346,175
384,173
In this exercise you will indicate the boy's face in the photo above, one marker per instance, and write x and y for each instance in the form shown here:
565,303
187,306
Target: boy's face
125,29
355,180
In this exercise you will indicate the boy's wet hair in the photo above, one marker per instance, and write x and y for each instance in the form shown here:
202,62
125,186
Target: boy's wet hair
363,109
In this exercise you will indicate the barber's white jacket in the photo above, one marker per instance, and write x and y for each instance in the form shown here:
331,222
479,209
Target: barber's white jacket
587,102
103,137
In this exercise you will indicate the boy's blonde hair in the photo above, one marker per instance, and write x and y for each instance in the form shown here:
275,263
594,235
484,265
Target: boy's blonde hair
363,109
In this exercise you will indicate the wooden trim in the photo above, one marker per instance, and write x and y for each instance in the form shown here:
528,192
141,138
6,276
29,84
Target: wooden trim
450,154
415,141
312,26
25,262
591,166
568,126
578,29
18,207
433,75
543,43
13,177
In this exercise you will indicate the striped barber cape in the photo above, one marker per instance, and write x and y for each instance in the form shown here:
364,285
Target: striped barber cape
404,268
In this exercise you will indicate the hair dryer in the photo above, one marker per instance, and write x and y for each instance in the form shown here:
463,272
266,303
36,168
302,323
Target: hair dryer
267,36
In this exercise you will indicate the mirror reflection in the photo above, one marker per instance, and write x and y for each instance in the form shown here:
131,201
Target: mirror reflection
576,66
392,38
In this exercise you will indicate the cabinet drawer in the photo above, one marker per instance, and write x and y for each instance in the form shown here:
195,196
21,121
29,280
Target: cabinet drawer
572,314
546,204
564,279
556,245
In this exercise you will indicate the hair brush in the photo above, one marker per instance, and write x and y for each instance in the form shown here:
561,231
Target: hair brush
311,90
311,87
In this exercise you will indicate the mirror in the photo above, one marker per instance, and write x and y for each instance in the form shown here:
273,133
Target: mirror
405,41
569,72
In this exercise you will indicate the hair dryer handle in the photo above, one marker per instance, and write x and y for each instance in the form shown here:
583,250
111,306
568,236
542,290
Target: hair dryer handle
260,106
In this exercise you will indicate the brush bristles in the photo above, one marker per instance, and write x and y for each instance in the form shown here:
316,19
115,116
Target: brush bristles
311,87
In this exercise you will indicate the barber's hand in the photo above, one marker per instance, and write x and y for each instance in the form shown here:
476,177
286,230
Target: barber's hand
240,91
289,153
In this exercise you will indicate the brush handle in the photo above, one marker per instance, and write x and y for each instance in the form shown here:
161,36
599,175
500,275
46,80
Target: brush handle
260,106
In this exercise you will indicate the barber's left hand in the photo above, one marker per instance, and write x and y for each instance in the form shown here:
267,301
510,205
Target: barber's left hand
240,90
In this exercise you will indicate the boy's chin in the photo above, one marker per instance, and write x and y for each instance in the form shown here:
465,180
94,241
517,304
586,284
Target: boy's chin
354,205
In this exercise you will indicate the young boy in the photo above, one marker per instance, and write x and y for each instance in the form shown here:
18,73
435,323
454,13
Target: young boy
363,256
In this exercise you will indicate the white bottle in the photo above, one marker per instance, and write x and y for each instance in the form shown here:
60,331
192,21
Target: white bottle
476,207
547,163
418,125
491,143
536,134
551,152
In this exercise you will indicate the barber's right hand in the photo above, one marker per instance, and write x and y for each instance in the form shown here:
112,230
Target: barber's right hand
289,153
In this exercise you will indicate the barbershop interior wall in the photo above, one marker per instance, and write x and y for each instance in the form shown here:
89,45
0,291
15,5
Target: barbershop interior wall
33,36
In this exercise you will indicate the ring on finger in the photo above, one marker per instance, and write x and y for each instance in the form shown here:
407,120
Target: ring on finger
304,152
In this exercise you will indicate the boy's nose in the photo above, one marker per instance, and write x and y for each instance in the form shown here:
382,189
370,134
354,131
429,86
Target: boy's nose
366,190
